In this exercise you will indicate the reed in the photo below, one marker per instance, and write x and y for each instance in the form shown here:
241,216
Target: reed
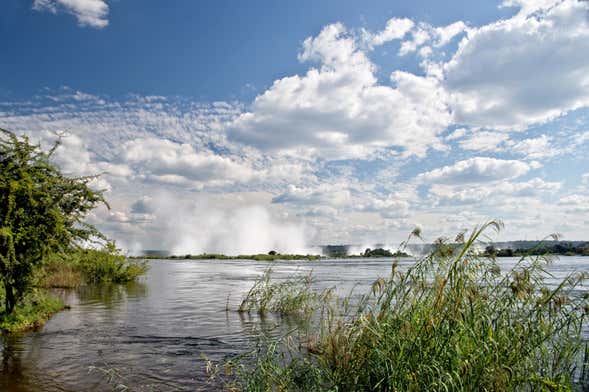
454,321
293,296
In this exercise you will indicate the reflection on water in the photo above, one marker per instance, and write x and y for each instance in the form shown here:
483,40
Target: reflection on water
156,334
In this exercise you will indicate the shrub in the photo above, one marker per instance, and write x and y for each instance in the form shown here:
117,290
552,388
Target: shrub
108,265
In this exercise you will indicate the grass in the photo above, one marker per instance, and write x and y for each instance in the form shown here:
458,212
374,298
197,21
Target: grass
454,321
68,270
31,313
71,269
293,296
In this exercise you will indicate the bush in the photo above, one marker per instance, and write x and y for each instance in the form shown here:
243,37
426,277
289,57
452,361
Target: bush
71,269
108,265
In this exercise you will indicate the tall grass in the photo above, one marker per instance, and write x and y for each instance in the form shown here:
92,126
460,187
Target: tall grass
293,296
454,321
72,268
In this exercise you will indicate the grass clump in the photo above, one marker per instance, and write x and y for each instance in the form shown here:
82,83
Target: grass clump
454,321
30,313
293,296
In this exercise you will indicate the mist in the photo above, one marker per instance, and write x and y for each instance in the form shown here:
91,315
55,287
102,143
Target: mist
201,226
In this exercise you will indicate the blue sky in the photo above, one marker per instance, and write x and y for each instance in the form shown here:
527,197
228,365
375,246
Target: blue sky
236,127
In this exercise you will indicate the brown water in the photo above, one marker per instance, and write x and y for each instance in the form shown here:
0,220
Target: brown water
154,335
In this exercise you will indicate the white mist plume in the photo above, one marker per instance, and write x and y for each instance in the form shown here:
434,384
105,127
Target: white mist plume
196,227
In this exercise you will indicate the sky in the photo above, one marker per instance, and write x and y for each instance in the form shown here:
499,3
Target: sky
241,127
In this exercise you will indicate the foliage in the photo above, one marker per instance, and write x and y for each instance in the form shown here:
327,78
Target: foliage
30,313
70,269
108,265
453,321
59,270
380,252
41,210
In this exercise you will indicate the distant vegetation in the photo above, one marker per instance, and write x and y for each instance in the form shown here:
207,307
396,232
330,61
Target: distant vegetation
42,213
380,252
453,321
542,248
272,256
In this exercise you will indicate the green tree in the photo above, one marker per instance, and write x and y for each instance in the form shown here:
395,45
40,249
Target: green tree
41,211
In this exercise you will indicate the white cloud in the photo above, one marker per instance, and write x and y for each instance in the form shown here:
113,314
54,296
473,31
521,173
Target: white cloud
339,110
426,34
574,200
524,70
396,28
483,141
453,195
475,170
456,134
575,204
91,13
535,148
172,162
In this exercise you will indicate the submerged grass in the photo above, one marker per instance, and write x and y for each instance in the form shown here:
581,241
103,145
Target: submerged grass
454,321
293,296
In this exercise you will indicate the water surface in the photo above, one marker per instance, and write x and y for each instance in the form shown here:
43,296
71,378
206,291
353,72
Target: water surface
155,335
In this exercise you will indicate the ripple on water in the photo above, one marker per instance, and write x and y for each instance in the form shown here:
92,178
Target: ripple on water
154,335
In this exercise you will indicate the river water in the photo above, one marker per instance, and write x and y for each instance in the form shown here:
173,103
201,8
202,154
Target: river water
156,334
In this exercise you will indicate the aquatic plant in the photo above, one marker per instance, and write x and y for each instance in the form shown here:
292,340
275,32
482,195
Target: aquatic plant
288,297
453,321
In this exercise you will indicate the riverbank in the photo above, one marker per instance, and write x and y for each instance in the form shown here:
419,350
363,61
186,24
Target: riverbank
67,271
31,313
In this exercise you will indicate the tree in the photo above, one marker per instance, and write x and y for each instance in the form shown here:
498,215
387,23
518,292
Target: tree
41,211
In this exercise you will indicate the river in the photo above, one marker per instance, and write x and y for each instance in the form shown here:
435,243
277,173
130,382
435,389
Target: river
156,334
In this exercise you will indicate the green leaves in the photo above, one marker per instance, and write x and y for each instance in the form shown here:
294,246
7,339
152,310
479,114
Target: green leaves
41,211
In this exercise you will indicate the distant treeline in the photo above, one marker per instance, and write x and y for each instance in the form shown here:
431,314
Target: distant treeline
576,248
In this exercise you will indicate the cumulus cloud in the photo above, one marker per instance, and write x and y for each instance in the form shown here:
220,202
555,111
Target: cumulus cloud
524,70
426,35
396,28
483,141
166,161
536,148
92,13
475,170
443,194
340,110
575,204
